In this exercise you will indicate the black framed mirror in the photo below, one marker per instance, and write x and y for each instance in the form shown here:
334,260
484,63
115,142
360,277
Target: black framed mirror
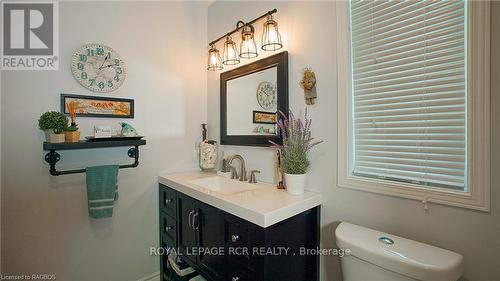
251,98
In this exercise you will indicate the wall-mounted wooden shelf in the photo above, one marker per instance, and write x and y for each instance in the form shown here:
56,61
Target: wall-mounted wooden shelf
52,157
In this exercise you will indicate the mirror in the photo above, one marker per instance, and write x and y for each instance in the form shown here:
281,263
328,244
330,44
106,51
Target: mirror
251,98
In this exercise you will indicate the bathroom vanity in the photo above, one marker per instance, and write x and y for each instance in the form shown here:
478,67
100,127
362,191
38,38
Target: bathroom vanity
236,231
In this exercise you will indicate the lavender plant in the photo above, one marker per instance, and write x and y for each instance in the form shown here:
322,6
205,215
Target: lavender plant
297,142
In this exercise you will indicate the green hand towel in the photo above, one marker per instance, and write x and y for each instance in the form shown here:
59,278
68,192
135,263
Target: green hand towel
102,190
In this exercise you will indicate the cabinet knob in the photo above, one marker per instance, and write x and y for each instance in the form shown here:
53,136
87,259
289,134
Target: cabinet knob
167,201
235,278
168,228
235,238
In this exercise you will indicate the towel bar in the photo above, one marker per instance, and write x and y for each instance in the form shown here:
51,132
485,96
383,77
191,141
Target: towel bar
52,157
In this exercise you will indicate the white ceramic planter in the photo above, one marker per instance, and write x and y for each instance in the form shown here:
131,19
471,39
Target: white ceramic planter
56,138
295,184
47,134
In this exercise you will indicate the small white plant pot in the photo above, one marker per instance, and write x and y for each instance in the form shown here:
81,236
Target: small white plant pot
295,184
56,138
47,134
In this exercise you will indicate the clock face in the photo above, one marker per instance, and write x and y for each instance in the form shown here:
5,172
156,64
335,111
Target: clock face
266,96
98,68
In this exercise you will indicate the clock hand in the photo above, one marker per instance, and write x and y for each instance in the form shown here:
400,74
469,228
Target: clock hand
110,65
105,59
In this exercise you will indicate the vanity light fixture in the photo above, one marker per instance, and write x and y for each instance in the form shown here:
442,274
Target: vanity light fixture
214,60
248,48
271,41
230,54
271,38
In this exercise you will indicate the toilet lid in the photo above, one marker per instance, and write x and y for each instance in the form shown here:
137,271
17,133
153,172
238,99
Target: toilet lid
411,258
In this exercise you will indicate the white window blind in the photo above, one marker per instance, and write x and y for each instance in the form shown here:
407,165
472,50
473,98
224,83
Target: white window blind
409,91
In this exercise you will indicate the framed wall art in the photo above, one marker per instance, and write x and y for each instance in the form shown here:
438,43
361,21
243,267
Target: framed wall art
261,117
98,106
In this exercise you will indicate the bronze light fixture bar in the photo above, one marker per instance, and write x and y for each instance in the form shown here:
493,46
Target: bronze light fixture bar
240,24
271,41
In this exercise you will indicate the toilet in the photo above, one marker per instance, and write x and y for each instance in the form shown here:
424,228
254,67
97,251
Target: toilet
378,256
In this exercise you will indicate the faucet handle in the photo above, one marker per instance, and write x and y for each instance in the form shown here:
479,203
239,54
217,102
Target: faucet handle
225,166
234,173
252,177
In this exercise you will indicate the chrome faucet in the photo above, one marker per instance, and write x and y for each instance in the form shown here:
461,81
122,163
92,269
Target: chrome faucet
243,173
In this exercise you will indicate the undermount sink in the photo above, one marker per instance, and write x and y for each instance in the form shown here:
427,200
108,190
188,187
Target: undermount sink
224,185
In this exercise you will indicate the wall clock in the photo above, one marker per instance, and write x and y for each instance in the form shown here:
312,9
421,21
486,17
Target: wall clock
98,68
266,95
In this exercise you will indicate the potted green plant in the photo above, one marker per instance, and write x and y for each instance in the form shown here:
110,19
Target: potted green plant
53,124
71,132
297,142
58,136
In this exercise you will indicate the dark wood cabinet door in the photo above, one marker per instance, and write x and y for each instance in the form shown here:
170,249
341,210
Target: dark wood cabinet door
210,227
168,230
187,238
238,273
196,227
168,200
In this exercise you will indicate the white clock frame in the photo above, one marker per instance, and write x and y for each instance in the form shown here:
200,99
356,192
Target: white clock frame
98,67
260,89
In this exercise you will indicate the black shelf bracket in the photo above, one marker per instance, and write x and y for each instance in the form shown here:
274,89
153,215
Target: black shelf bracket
52,157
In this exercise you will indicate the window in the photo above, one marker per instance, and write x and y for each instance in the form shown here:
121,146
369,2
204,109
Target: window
414,99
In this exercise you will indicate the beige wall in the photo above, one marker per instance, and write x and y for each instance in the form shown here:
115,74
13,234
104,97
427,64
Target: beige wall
308,29
45,224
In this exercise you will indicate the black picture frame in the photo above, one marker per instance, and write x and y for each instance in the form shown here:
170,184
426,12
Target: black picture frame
255,121
99,98
280,61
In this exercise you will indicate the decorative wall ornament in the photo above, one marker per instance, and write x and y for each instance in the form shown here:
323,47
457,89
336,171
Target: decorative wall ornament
261,117
98,68
97,106
308,83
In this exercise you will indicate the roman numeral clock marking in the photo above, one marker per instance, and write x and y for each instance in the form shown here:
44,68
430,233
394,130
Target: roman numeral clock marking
98,68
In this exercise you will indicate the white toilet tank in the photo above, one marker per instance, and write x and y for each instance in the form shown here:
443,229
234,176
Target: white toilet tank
376,255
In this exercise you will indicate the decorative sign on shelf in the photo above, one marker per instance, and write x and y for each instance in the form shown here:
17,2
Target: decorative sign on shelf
96,106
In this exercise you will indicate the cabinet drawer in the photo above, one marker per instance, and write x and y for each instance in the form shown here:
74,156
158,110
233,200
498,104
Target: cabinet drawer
236,273
168,229
168,200
237,236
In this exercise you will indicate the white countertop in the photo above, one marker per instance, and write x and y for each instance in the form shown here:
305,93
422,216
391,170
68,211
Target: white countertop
264,206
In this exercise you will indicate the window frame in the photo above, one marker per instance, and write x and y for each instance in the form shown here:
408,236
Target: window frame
477,196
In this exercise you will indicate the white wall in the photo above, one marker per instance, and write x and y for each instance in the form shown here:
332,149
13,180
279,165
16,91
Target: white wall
45,223
308,30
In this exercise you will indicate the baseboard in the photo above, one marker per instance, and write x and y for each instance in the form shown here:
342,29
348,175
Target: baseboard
152,277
